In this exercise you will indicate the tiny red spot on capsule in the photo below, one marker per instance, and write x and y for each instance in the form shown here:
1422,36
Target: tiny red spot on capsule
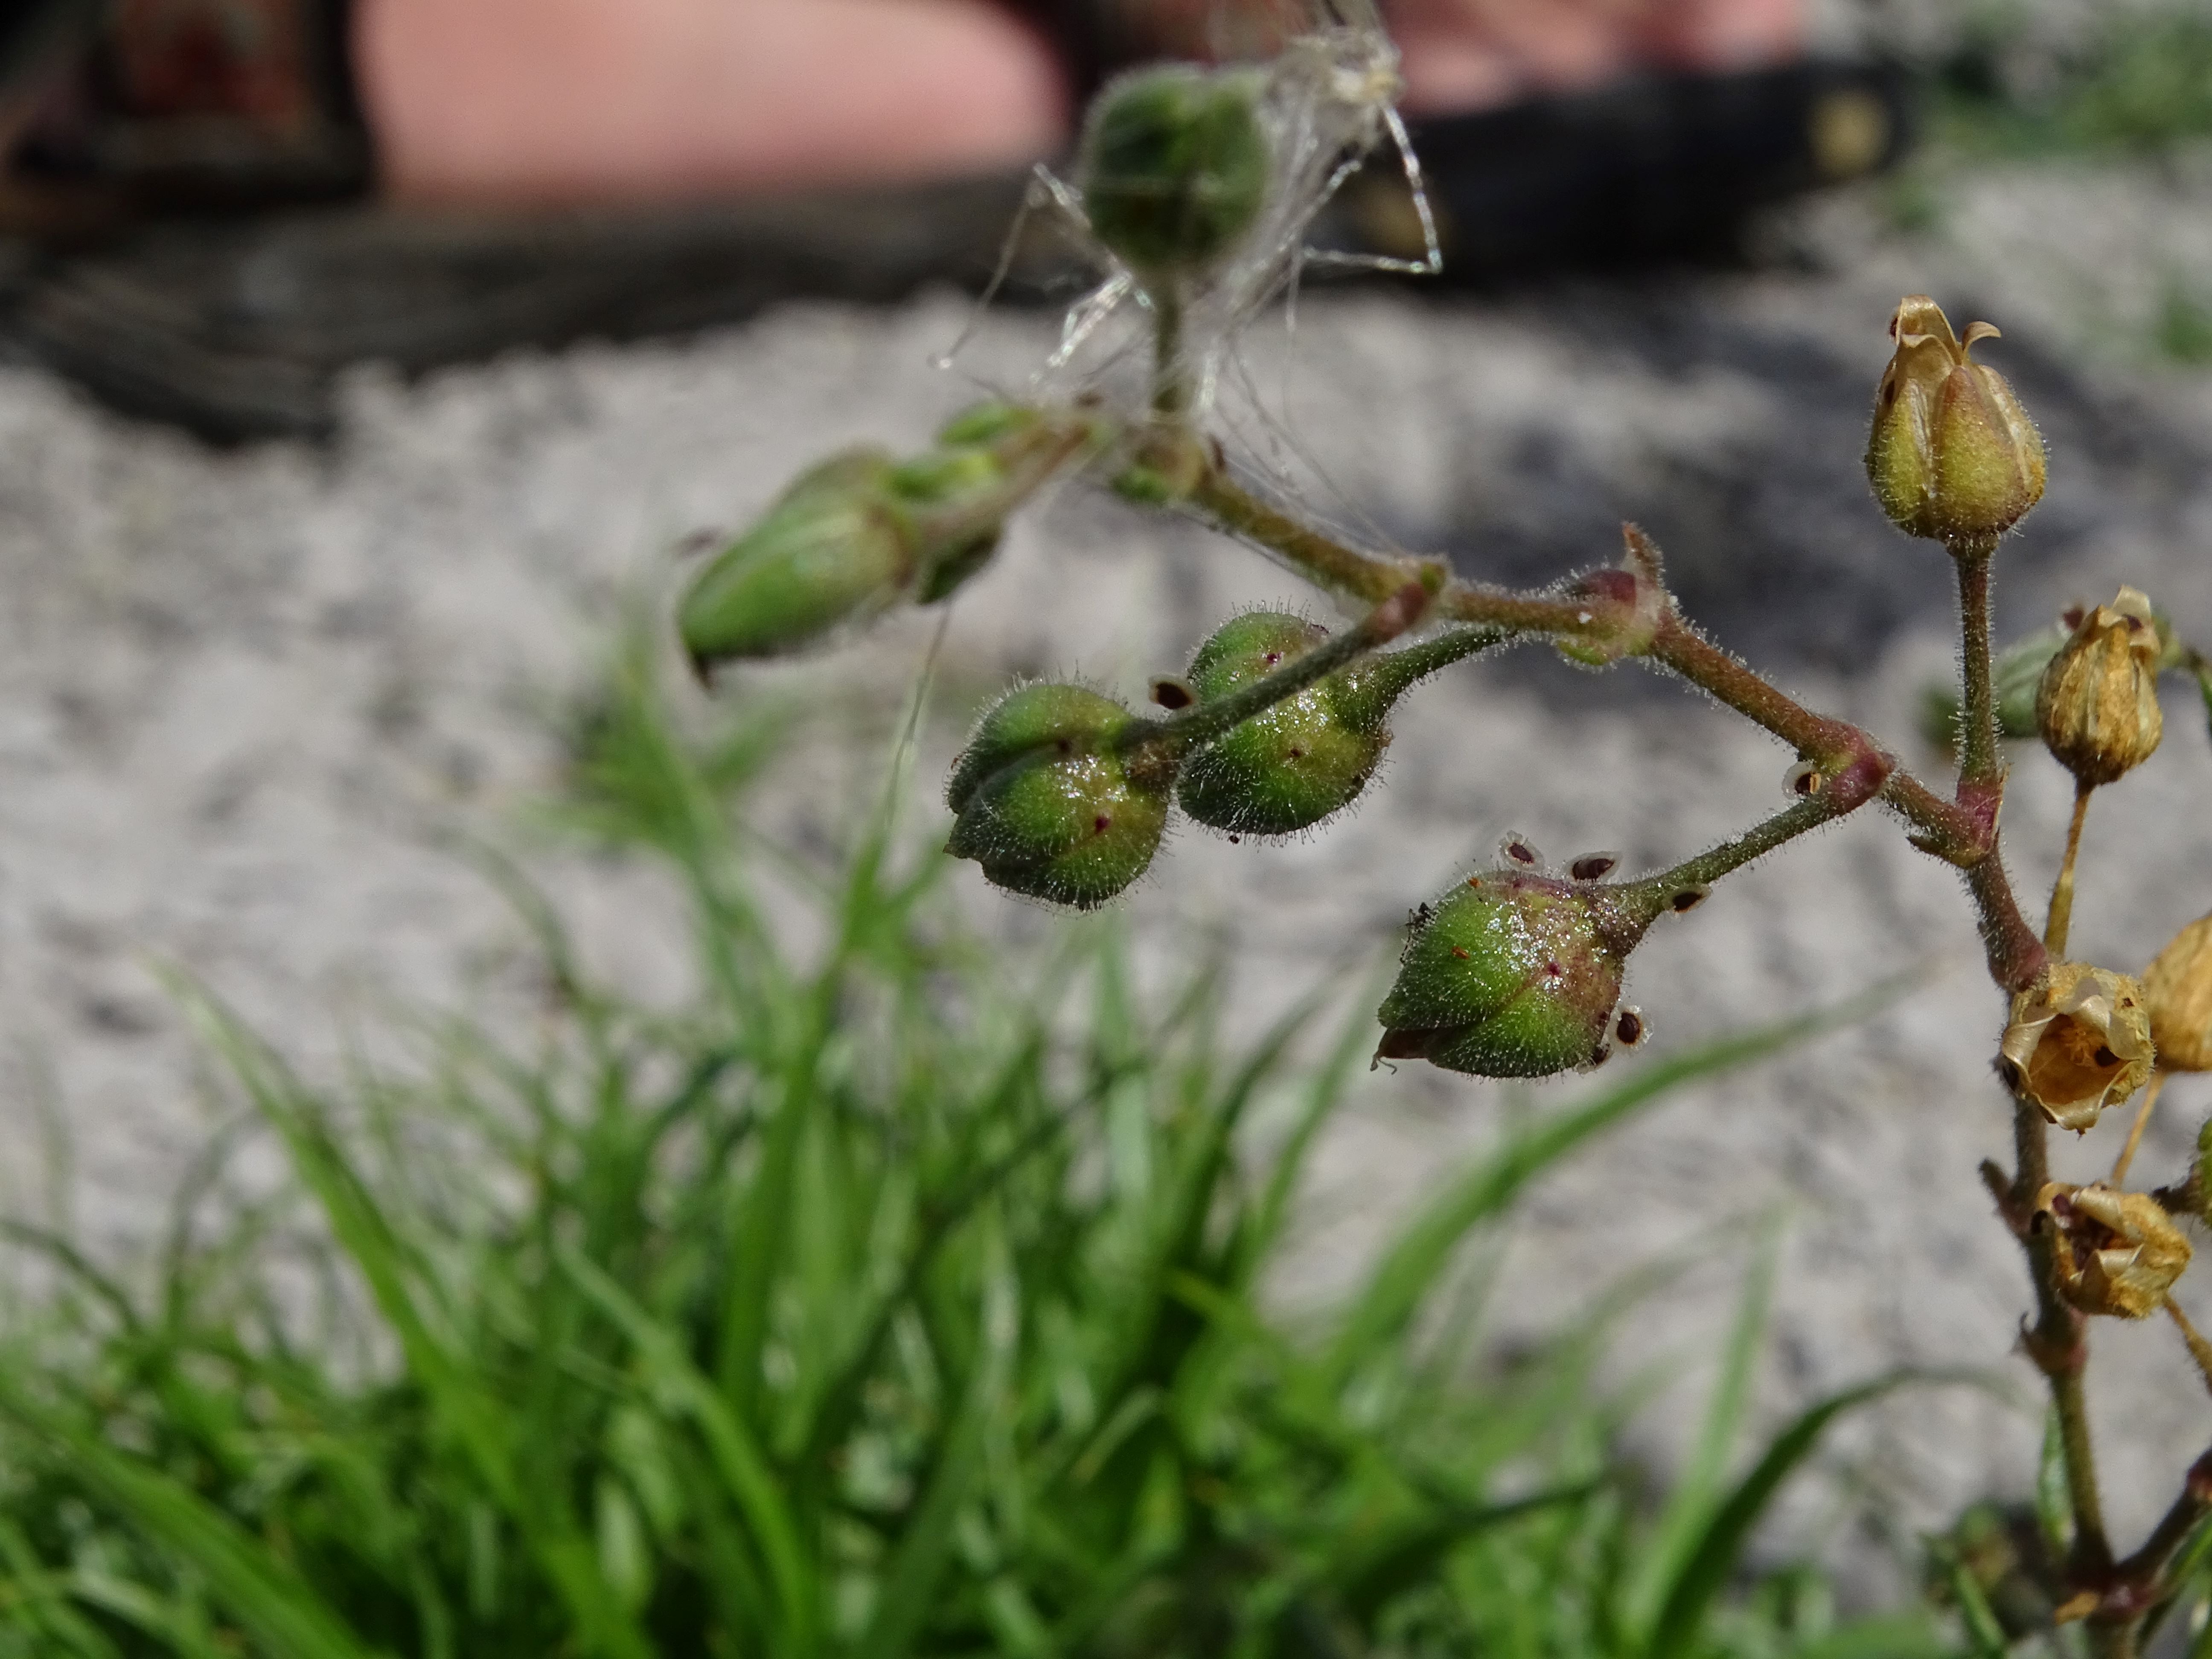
1297,754
1273,657
1100,825
1459,953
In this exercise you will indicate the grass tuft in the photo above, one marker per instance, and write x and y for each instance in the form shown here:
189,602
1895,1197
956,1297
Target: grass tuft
887,1300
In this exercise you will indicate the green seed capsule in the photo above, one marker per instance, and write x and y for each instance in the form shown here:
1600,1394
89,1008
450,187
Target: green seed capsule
1304,759
1174,167
831,550
1047,806
1513,975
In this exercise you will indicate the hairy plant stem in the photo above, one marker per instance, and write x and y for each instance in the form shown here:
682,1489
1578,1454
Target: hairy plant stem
2061,891
1169,737
1979,761
1170,385
1962,832
2059,1343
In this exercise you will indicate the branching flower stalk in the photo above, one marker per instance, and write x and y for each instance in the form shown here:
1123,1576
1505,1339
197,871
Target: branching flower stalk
1063,793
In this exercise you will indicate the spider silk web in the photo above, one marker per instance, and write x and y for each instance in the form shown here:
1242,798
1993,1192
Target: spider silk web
1326,104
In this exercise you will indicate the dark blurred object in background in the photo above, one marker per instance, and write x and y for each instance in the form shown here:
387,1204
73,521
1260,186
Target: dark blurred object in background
182,245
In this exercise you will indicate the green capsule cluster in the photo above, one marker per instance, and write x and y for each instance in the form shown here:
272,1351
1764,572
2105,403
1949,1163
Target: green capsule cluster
1053,802
1174,167
863,531
1303,760
1514,974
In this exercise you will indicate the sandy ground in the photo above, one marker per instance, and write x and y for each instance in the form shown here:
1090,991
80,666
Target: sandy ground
247,699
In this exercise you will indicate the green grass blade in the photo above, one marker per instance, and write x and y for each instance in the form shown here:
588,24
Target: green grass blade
677,1384
470,1410
1690,1596
1326,1091
1975,1612
1896,1636
264,1595
1690,1505
917,1563
1399,1283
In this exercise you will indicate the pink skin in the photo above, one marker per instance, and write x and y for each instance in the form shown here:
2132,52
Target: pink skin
492,102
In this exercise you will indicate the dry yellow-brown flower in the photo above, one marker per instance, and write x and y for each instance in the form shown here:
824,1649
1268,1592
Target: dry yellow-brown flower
2177,990
2097,704
2117,1252
2079,1042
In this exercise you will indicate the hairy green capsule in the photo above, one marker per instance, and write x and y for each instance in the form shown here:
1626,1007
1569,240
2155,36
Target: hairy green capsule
1513,974
1048,805
831,550
1301,762
1174,167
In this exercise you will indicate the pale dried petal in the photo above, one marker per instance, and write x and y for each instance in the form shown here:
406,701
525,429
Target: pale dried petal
2079,1042
2117,1252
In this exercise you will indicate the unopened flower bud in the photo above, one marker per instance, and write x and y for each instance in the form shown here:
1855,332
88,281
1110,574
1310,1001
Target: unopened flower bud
2117,1252
1301,761
1952,456
1514,975
2097,702
2178,990
2079,1042
1049,807
832,549
1174,167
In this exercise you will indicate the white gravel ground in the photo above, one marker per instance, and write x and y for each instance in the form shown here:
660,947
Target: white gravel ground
246,698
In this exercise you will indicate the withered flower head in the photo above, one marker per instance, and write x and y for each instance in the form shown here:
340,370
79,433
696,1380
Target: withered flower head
2097,702
2178,990
2079,1042
1952,455
2117,1252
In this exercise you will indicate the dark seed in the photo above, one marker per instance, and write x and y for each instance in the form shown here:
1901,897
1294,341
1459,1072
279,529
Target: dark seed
1171,694
1593,867
1629,1030
2106,1057
1100,825
1688,899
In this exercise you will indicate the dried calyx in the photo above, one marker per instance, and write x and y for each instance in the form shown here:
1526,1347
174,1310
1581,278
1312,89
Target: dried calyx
2096,704
2079,1041
2177,990
2117,1254
1951,454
